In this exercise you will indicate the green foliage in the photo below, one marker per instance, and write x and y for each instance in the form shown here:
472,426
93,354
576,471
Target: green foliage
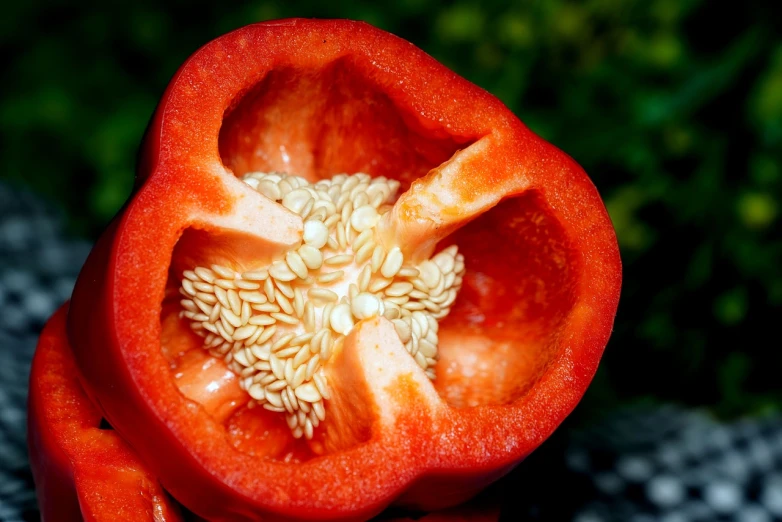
673,107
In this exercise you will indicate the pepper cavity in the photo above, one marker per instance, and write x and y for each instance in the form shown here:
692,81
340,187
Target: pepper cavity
277,326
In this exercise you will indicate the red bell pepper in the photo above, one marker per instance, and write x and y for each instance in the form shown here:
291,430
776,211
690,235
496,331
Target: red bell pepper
315,98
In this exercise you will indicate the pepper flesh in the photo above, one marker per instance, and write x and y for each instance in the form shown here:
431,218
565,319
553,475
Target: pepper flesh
81,471
315,98
86,473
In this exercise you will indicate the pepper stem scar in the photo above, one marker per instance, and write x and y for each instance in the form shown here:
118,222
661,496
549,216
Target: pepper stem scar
276,326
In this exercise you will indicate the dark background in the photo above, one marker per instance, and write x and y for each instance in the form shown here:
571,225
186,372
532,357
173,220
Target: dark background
673,107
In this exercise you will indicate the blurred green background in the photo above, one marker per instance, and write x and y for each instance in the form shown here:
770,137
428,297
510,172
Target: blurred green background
673,107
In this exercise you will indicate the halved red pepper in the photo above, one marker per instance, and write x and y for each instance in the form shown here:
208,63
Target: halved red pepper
315,98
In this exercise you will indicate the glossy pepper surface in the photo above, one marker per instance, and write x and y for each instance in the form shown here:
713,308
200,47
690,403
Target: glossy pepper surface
84,471
317,98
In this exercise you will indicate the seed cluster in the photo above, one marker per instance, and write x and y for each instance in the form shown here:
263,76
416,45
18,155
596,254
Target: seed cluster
276,326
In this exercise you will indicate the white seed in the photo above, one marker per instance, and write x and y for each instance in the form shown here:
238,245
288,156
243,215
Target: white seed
262,352
393,263
280,270
390,312
311,256
267,334
298,376
234,320
298,302
331,221
253,297
421,360
427,348
285,288
292,398
342,239
444,261
234,301
449,279
284,302
320,384
270,189
256,392
360,199
322,294
273,398
414,305
364,306
419,284
312,366
364,278
319,410
364,218
308,392
430,273
214,315
206,299
297,200
365,252
330,277
188,287
315,233
285,353
403,329
225,273
268,289
378,255
278,367
285,318
245,332
408,271
256,275
379,284
296,264
266,307
309,316
361,240
302,356
340,319
341,259
262,320
345,212
205,274
325,345
277,386
246,285
326,315
200,286
399,289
